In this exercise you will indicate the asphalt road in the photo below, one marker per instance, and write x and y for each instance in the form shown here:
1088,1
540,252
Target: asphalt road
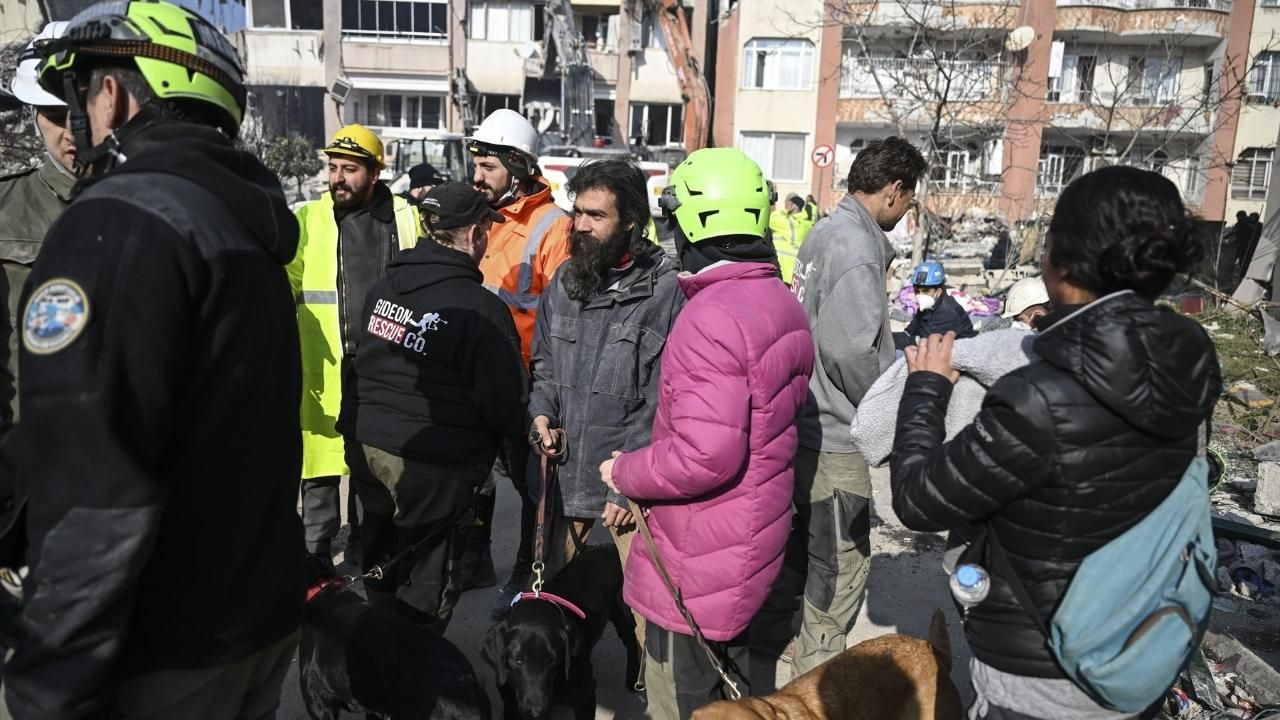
906,584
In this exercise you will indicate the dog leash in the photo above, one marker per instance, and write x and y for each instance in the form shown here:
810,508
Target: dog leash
643,524
378,572
550,459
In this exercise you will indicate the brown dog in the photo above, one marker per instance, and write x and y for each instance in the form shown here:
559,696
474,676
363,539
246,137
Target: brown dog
892,677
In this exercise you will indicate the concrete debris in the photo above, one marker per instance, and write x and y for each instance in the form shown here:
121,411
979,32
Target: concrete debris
1269,452
1225,584
1249,395
1248,677
1266,497
1253,555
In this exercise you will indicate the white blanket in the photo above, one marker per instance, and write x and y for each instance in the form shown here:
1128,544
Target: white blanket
981,361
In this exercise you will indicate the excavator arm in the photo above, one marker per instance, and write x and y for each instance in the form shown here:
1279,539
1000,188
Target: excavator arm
693,84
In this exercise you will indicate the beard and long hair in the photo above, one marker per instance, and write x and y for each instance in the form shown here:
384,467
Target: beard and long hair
590,260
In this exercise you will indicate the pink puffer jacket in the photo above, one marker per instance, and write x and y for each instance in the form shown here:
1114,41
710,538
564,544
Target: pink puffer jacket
717,478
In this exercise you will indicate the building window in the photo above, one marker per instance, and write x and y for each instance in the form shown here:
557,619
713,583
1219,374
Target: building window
501,20
1264,83
654,124
651,34
777,65
1058,166
396,18
292,14
1152,80
781,156
490,102
395,110
600,31
1251,174
1075,83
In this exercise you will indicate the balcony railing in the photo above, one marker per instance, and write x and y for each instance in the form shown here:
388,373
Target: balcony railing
921,78
1219,5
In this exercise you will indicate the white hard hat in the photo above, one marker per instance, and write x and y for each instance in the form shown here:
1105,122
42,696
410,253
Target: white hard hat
507,128
24,85
1024,294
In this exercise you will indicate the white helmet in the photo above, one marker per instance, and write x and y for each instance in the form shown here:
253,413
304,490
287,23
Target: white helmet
510,129
1024,294
24,85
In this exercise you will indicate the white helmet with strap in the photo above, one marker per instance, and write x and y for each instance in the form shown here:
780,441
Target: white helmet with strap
25,87
509,136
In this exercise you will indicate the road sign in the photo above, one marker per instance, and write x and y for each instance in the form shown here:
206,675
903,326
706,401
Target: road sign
823,156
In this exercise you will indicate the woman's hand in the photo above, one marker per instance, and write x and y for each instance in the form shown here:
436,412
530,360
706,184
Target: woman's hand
933,354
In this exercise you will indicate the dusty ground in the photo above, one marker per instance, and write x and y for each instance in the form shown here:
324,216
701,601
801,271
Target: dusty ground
907,583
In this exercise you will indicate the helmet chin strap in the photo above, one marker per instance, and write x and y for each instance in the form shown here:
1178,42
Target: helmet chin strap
101,157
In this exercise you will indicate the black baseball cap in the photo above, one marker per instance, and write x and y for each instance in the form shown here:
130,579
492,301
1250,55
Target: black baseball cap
454,205
424,174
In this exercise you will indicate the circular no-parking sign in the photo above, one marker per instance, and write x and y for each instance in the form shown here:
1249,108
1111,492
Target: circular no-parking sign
823,156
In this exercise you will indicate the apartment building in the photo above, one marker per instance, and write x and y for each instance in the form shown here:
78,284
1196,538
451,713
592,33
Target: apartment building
1183,87
19,20
394,65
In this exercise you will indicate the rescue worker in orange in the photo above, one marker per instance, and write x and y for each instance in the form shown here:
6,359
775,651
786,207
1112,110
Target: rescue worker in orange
523,254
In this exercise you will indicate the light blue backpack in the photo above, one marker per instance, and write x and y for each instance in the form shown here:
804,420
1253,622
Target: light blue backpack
1137,606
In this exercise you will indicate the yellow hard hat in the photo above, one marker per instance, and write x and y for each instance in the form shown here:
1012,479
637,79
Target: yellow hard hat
357,141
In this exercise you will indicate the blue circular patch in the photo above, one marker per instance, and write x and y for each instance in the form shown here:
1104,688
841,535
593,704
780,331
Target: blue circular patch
55,316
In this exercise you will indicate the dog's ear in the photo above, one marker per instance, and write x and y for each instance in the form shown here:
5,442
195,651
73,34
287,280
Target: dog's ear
940,639
494,651
573,648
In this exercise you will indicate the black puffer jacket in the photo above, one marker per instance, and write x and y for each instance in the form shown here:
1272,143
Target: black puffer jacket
1066,454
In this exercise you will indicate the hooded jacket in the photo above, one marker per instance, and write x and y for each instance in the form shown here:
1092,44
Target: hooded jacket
438,370
717,479
160,446
1066,454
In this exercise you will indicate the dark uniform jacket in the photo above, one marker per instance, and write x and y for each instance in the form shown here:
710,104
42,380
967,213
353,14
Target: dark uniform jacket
1066,454
160,445
29,203
367,241
438,370
595,370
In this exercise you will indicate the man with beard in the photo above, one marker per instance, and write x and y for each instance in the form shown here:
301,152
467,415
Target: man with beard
347,238
524,252
597,350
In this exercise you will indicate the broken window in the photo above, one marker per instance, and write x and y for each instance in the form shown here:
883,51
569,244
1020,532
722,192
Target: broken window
776,64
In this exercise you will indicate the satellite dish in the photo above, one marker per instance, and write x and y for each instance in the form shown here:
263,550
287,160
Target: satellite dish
1020,38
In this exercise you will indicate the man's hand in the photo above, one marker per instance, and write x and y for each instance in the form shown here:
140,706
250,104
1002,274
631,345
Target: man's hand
616,517
606,471
933,354
542,426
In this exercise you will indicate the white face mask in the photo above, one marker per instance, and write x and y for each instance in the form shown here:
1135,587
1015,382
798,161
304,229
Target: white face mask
926,302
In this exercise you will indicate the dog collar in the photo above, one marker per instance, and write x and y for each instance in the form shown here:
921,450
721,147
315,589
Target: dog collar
553,599
323,584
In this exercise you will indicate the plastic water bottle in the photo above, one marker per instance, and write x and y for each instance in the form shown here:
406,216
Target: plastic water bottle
970,585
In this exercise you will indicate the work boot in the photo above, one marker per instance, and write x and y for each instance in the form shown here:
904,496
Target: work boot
477,569
327,559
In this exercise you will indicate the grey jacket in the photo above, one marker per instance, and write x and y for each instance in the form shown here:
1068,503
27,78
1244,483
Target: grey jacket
595,372
840,281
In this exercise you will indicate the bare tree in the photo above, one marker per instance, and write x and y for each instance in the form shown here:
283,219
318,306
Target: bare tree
937,71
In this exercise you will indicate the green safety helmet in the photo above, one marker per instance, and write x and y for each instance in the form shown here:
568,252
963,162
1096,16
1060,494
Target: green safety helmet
718,192
179,53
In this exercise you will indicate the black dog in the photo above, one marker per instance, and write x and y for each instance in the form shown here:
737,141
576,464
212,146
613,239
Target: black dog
355,658
541,651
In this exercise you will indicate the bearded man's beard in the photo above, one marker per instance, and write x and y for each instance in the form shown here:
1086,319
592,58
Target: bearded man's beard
590,261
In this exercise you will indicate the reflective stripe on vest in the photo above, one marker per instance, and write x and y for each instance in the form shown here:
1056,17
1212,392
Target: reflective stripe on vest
523,298
318,297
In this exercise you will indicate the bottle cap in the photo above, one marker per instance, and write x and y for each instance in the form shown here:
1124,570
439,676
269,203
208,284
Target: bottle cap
968,575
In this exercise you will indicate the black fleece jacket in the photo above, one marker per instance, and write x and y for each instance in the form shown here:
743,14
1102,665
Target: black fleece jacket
438,370
160,448
1066,454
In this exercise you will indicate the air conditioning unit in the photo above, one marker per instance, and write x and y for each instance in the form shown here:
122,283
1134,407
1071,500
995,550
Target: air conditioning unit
340,91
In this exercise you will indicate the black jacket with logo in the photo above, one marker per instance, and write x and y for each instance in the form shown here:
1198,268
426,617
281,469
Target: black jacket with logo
438,370
1066,454
159,447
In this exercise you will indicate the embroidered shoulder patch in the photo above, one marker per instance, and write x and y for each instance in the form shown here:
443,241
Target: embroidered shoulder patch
56,314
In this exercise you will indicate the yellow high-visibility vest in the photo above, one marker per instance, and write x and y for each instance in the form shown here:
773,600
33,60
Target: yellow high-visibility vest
313,275
789,231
